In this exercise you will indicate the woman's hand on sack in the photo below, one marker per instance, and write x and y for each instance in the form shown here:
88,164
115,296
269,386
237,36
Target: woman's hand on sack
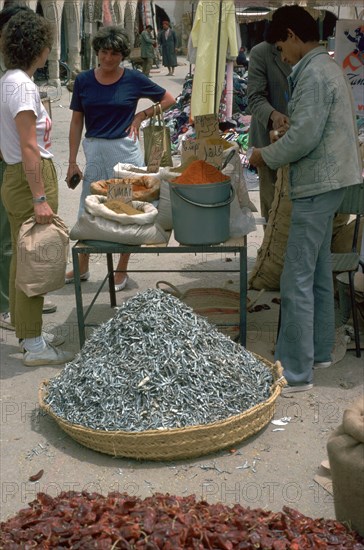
43,213
135,125
256,158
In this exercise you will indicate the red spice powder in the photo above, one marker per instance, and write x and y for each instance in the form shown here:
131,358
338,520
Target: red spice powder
199,172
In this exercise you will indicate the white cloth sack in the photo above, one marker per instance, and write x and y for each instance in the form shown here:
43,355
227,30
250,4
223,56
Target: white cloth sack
242,220
102,224
94,204
164,217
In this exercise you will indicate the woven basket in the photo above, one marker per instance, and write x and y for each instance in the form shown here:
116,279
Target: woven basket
176,443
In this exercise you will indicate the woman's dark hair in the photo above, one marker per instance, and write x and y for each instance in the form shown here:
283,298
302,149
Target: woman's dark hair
112,38
295,18
24,38
8,12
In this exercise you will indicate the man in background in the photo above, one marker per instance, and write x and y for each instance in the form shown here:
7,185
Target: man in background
267,102
147,45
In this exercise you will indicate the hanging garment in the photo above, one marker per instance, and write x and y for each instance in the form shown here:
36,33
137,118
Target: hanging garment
204,36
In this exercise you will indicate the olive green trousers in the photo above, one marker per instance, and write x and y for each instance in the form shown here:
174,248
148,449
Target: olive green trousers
26,312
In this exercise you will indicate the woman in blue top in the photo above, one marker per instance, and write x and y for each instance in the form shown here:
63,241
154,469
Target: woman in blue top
105,100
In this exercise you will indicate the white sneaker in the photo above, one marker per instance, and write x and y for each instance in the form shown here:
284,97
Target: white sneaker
49,356
49,307
323,365
122,285
5,321
49,338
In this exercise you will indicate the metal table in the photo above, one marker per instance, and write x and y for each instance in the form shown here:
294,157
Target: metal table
236,246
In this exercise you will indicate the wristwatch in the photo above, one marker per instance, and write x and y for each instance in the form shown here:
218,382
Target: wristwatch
40,199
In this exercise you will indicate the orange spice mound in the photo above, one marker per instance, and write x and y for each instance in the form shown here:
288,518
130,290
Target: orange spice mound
199,172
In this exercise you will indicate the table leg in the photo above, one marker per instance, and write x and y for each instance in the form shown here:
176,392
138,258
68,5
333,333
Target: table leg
243,260
110,269
78,296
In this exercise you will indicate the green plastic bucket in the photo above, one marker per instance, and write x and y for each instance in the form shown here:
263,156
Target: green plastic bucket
201,212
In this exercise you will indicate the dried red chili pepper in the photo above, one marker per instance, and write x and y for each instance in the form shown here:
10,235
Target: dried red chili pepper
91,521
37,476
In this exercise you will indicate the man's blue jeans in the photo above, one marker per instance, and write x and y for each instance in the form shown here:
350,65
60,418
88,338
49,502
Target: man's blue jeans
307,332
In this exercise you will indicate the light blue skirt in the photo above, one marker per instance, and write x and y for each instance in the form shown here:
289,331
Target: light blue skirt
101,157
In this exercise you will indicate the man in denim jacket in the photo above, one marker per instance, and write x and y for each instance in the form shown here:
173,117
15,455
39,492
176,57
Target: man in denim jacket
321,148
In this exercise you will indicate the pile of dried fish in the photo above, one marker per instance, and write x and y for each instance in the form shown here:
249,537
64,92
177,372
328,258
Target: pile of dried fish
157,365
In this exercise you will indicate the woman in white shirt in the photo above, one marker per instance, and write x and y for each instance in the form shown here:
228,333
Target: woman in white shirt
30,186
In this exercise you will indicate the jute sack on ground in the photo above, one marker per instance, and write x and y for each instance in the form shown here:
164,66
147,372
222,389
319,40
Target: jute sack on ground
342,234
268,267
345,449
220,306
42,253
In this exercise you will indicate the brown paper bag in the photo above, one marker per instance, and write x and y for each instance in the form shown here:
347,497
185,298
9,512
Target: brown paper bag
42,253
157,135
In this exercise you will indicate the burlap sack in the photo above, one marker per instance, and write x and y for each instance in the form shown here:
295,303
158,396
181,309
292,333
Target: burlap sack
342,235
345,449
42,254
268,267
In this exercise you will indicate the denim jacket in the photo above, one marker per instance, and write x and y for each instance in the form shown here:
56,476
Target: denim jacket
321,145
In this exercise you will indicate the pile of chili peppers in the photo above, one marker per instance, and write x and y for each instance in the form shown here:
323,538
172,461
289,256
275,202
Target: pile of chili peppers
91,521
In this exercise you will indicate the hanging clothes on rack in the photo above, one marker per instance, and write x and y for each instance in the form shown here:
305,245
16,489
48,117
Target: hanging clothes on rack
213,32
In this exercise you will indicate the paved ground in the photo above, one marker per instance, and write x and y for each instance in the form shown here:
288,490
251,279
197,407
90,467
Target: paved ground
285,461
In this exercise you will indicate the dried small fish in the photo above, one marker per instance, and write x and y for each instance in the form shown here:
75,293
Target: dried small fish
157,365
245,466
281,421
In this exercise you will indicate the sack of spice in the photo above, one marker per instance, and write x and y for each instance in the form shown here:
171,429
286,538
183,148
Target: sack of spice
345,449
200,172
143,187
164,217
121,225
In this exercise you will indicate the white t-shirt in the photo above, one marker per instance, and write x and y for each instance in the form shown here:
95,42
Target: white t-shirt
19,93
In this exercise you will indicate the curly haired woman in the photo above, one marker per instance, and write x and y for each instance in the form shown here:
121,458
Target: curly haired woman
30,185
